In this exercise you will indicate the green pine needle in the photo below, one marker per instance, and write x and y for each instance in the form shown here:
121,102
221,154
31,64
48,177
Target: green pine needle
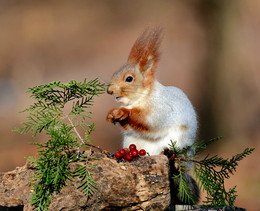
211,173
88,184
47,115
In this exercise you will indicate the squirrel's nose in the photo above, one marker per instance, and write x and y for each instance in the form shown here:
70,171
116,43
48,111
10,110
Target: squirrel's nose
109,90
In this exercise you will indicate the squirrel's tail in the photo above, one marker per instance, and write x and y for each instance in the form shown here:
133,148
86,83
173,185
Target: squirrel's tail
192,188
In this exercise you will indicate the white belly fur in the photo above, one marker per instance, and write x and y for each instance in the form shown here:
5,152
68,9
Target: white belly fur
153,146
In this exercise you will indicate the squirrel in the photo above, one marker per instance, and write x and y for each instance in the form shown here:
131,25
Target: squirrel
152,115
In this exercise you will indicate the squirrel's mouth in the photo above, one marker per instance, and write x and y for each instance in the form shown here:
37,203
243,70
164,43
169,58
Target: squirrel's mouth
118,98
121,99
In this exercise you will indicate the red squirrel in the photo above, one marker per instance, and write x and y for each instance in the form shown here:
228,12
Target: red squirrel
152,115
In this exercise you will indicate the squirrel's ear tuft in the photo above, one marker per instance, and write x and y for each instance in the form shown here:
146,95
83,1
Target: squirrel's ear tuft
146,63
145,50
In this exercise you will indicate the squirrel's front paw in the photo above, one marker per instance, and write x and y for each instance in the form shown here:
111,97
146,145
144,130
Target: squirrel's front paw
117,115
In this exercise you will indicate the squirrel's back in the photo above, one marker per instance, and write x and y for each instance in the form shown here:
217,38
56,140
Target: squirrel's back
170,116
174,102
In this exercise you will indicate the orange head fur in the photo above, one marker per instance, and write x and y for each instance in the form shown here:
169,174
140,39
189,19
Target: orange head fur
135,79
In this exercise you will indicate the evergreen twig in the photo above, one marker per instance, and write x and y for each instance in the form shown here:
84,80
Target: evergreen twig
211,173
48,115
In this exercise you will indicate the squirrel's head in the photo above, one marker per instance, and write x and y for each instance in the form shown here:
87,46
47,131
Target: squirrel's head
135,79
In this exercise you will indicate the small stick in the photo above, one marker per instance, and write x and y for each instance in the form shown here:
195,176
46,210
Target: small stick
81,139
93,146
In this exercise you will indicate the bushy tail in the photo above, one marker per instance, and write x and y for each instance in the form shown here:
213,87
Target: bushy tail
192,187
193,191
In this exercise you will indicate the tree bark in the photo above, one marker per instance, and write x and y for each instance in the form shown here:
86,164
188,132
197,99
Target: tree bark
142,184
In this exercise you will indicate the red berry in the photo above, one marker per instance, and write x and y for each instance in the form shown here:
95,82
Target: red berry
173,156
132,147
128,156
142,152
118,155
134,152
123,152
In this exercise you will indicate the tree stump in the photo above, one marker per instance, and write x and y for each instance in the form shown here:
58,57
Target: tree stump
142,184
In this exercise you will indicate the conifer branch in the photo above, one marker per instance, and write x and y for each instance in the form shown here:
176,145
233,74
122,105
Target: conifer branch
47,115
211,172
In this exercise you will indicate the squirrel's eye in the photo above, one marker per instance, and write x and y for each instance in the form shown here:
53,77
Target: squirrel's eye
129,79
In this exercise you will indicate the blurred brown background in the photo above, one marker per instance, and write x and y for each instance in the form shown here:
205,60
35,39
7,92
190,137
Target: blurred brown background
211,50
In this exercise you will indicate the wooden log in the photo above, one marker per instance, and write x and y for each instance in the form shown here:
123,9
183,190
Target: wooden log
142,184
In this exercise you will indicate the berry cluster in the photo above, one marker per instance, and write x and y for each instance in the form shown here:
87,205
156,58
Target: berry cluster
129,154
